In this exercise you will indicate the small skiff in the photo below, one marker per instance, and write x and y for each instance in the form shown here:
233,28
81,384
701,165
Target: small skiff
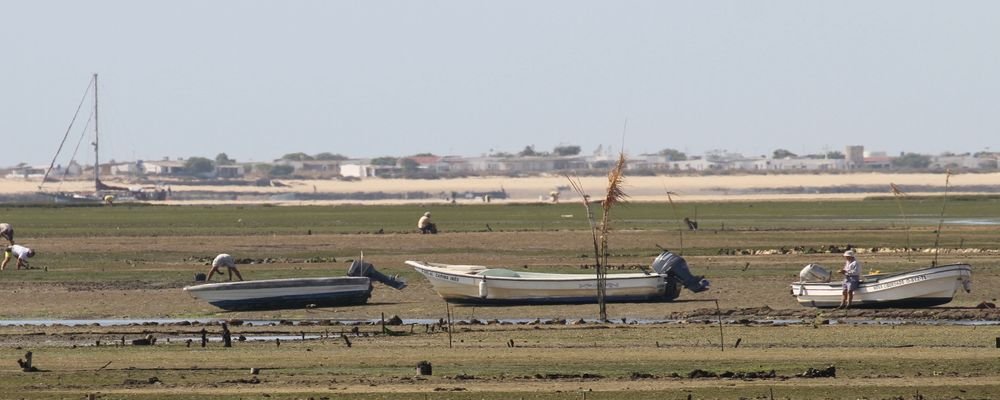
924,287
276,294
478,284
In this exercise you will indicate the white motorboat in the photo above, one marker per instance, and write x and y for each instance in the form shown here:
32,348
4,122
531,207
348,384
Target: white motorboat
487,285
275,294
924,287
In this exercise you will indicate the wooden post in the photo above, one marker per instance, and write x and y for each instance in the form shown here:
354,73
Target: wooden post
722,339
26,365
204,337
227,339
447,308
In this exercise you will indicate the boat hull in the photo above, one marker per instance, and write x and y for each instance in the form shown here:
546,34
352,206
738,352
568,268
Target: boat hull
464,284
921,288
276,294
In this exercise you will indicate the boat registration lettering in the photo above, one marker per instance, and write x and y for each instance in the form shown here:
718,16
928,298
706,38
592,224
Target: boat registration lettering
594,285
446,277
901,282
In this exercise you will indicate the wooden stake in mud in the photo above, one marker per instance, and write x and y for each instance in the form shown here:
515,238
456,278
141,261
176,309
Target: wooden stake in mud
26,363
447,309
227,338
722,339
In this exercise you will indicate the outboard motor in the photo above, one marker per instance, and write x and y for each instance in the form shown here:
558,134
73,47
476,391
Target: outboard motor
674,266
361,268
814,273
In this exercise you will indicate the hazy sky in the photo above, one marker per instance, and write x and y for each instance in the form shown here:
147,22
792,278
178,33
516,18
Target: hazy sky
258,79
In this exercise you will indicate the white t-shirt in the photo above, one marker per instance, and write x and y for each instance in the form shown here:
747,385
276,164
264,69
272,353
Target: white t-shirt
852,267
224,260
20,251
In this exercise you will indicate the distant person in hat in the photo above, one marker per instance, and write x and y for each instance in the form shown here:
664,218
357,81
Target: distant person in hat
22,253
425,225
224,260
852,278
7,232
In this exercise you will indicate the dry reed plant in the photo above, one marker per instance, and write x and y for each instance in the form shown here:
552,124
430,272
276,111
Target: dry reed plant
614,194
898,195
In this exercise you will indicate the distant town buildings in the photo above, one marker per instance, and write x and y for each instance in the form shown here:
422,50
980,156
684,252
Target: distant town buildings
854,157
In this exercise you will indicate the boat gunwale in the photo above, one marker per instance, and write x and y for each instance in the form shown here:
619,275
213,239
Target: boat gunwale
281,283
553,278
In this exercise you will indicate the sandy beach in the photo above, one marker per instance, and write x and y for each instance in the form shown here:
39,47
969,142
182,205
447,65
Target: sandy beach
639,188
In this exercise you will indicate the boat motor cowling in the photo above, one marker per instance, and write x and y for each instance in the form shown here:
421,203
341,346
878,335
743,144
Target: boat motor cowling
814,273
360,268
673,265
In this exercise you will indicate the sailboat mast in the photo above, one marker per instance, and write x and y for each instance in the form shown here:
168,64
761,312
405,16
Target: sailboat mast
97,160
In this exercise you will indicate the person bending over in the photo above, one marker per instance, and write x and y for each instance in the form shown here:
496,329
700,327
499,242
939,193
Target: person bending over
224,260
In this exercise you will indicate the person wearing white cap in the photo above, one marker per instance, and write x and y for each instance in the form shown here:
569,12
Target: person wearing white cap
852,278
425,225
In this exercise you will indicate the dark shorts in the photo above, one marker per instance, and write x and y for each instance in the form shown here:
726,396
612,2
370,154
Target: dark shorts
851,283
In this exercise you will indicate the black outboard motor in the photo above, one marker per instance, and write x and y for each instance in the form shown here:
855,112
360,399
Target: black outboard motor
360,268
674,266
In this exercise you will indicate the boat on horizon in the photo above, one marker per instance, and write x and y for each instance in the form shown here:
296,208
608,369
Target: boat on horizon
925,287
477,284
101,190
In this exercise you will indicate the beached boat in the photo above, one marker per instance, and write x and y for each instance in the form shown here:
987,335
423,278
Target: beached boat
479,284
275,294
924,287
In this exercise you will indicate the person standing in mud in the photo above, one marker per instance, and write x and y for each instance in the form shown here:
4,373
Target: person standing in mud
7,232
224,260
852,278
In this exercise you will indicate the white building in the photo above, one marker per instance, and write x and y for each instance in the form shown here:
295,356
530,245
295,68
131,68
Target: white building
357,170
165,167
